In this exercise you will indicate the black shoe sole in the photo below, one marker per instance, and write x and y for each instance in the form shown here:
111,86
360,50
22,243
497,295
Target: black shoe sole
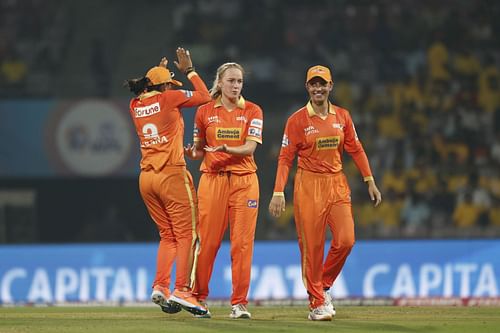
195,311
171,309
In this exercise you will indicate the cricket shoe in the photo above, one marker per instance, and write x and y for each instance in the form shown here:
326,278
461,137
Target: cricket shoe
188,302
160,296
320,313
239,311
329,303
206,315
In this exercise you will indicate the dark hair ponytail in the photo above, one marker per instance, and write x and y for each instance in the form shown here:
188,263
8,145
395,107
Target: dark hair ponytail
137,86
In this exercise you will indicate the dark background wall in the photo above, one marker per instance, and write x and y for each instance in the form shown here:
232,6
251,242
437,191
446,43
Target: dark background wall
421,79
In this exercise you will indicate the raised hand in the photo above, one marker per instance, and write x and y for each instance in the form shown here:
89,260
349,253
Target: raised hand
163,62
183,62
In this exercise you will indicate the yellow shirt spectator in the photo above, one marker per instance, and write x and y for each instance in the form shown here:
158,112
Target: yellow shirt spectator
437,57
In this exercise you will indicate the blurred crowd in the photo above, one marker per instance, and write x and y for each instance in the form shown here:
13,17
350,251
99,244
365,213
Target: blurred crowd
421,79
34,39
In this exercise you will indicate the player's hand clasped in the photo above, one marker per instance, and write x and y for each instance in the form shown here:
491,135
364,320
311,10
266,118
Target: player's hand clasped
210,149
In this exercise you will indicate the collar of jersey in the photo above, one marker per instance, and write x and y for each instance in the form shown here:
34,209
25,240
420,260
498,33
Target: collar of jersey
311,113
149,94
241,102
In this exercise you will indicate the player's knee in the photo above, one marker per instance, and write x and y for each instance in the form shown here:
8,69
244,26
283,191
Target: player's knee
346,244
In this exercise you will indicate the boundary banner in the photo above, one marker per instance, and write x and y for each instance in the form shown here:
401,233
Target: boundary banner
407,272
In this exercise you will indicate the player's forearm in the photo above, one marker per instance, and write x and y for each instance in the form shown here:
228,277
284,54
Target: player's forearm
361,161
281,178
201,94
244,150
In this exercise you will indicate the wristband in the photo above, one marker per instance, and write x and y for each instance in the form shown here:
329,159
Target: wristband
189,70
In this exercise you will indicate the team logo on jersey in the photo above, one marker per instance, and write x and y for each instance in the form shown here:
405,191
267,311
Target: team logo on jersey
187,93
146,111
222,133
310,130
255,132
252,203
338,126
329,142
285,142
242,118
256,123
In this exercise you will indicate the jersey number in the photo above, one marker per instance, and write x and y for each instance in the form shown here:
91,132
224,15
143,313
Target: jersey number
150,131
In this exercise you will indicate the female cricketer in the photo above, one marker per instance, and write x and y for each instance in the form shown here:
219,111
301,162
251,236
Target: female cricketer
319,133
165,184
227,131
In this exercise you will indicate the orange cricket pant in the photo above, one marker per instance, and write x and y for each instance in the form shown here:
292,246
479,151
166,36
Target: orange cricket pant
227,198
170,198
321,200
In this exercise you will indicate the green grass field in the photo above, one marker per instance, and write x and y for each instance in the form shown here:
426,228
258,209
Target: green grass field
265,319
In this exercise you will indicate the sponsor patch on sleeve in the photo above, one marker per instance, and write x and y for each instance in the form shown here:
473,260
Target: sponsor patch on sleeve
255,132
256,123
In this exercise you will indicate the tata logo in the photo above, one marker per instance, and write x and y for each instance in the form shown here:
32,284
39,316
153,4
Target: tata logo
252,203
242,118
310,130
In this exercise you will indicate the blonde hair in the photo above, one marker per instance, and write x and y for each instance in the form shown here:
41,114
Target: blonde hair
215,91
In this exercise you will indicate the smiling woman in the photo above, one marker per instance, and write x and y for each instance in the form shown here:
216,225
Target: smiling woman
318,133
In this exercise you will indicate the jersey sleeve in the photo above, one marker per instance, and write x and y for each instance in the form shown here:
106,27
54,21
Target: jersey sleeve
189,98
255,125
353,147
288,151
199,126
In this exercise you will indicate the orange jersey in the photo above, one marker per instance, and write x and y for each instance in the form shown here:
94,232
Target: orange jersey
319,143
159,123
215,125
